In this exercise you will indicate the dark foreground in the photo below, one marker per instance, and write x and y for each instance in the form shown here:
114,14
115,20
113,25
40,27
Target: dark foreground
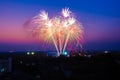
97,67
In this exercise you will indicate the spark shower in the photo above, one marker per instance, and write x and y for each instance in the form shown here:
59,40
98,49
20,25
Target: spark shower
63,30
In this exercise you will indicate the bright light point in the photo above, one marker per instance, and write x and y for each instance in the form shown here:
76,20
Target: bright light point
49,24
43,15
64,53
65,24
28,53
32,53
106,52
71,21
66,12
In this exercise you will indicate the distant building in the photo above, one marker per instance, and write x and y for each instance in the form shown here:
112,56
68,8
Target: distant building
5,65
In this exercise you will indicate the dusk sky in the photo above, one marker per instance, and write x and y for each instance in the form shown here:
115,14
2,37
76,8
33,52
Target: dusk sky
100,19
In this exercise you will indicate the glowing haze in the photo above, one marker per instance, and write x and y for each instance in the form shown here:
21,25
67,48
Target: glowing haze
63,30
100,19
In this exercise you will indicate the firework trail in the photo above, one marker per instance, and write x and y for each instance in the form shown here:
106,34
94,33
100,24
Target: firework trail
60,30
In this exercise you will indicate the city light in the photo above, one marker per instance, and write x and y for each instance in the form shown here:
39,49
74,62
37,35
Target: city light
28,53
106,52
32,53
65,53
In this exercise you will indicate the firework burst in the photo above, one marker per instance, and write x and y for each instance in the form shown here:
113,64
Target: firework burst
60,30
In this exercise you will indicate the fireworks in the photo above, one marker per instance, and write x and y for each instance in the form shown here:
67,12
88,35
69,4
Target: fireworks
60,30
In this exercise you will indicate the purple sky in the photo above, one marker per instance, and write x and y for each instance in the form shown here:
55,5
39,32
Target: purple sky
100,19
